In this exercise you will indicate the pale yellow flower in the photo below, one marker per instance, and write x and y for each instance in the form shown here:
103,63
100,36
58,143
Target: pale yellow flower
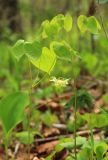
60,82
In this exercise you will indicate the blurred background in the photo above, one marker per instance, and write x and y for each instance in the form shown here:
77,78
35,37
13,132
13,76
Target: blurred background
21,19
24,16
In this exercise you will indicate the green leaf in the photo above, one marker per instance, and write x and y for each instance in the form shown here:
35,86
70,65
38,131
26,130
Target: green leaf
84,100
81,23
33,49
62,50
42,32
48,118
90,24
18,49
100,149
79,122
54,27
95,120
25,138
45,26
68,22
60,20
70,144
51,28
46,61
11,110
84,154
90,61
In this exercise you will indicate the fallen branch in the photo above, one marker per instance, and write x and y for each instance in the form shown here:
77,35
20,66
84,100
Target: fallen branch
79,133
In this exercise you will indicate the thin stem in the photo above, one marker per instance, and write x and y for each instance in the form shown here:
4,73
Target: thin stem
35,84
92,143
6,151
30,94
102,23
30,111
75,119
6,146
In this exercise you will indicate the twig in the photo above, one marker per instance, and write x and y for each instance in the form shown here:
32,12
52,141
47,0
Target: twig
75,119
60,126
16,149
79,133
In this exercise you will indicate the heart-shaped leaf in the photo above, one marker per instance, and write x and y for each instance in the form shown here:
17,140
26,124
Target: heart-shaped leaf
62,50
46,61
33,49
90,24
18,49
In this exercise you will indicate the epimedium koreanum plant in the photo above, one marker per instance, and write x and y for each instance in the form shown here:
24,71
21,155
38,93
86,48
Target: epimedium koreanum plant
38,54
44,51
44,55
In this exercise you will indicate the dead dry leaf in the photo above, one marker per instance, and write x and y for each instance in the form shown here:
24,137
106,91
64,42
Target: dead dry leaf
47,147
51,131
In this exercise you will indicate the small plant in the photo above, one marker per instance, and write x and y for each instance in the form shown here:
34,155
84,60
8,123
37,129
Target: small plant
11,113
84,100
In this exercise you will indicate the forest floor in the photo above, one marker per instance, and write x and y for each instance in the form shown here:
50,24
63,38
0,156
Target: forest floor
42,147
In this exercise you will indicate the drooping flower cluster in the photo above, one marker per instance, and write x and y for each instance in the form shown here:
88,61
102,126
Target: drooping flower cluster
60,82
